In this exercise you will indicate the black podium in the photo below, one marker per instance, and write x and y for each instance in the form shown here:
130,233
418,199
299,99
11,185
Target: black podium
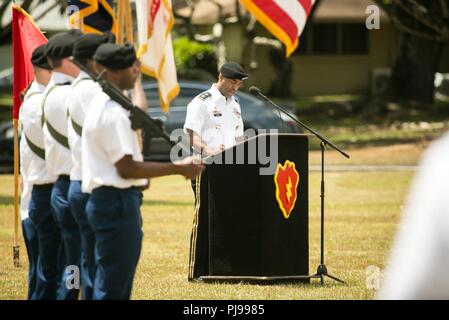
248,226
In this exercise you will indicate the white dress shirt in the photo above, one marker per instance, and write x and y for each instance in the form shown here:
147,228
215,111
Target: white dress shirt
420,255
107,138
30,116
215,119
25,155
83,91
25,198
58,157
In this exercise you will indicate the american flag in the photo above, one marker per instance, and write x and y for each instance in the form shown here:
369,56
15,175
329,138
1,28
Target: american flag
285,19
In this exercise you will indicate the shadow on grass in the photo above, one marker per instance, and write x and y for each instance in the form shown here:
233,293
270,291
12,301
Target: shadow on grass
167,203
9,200
6,200
380,142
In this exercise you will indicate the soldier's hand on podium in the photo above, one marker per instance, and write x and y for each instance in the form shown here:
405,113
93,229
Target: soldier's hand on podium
190,167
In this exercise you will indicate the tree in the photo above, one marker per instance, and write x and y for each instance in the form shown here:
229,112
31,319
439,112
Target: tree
6,28
423,31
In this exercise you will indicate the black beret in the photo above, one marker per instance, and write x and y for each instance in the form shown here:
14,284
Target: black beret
39,59
60,46
87,44
232,70
115,56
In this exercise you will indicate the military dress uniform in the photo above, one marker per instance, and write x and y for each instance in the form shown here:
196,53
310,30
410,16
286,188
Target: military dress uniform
41,181
58,159
84,89
217,120
40,233
29,230
113,208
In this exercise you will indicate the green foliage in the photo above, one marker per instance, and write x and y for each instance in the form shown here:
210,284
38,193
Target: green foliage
193,55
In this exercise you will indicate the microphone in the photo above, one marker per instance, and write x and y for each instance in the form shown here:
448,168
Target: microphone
256,92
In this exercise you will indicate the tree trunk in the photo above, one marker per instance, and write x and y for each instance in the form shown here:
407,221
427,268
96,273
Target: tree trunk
414,69
282,76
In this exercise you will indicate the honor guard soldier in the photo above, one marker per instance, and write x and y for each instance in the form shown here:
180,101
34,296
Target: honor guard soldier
213,121
114,174
84,89
40,232
59,163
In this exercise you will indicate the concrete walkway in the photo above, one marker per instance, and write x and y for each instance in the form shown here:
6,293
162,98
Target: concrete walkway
363,168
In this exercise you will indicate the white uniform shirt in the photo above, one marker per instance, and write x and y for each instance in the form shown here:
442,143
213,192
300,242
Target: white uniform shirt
32,166
83,91
214,118
25,155
25,198
58,157
420,255
107,138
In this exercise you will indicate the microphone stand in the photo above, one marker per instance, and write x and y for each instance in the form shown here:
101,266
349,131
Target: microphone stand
322,269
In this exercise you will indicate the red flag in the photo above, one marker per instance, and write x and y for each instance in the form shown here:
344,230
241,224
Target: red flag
26,37
285,19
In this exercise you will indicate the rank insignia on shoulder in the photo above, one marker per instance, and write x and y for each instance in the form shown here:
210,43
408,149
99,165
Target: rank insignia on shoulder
203,96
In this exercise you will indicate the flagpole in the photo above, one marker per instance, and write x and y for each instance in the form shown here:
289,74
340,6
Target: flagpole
16,247
25,37
119,38
128,22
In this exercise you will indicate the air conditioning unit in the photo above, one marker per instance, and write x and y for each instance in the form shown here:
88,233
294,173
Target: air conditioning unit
380,78
442,86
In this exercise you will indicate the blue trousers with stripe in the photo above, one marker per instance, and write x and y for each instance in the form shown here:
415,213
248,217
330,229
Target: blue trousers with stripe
114,215
31,240
78,201
49,242
70,255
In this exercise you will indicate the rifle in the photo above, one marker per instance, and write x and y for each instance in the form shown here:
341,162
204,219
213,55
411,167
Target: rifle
139,119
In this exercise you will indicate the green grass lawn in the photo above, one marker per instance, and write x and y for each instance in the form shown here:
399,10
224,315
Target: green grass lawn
361,214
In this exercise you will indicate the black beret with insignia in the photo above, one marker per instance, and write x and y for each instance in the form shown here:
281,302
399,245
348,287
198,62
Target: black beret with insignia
115,56
39,59
60,46
232,70
87,44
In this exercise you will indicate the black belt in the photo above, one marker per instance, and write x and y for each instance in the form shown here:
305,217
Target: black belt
43,186
137,188
140,188
64,177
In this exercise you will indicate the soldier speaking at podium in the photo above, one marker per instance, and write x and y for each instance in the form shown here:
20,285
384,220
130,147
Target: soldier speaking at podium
249,224
213,120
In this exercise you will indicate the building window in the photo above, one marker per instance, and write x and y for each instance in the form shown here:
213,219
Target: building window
304,45
354,38
325,38
334,39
